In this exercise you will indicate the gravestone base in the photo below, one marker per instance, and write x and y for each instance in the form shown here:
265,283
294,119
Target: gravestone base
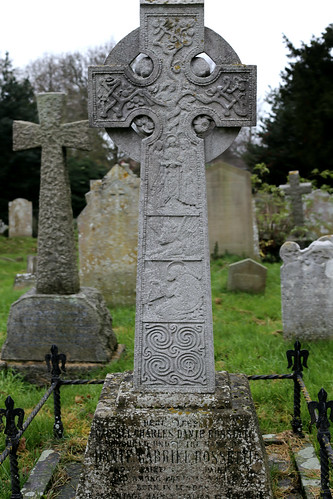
37,373
79,324
175,445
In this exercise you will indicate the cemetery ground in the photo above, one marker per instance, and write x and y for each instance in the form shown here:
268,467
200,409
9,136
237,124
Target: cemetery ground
247,339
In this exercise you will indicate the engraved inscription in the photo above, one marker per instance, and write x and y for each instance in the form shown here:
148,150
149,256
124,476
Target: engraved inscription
174,354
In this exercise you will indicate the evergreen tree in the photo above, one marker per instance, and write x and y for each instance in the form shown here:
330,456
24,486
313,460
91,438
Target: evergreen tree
19,171
297,133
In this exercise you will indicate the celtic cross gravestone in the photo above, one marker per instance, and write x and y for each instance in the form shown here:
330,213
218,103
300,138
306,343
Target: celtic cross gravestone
184,107
57,311
57,271
172,95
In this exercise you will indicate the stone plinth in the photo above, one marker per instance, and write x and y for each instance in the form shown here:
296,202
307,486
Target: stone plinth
247,275
108,236
20,218
79,324
175,446
307,290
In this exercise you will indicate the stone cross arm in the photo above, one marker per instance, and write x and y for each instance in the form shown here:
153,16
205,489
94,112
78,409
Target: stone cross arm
29,135
51,132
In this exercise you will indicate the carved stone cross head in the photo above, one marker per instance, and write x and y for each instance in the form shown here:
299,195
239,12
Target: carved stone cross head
172,95
172,76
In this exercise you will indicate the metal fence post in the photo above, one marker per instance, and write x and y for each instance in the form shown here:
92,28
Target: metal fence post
12,441
300,361
323,426
53,360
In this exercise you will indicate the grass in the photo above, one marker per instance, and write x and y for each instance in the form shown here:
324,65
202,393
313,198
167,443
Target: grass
247,339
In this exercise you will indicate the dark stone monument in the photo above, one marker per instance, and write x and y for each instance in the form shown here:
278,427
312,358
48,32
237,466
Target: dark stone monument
174,428
57,311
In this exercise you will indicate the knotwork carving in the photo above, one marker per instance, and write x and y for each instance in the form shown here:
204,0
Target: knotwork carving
174,354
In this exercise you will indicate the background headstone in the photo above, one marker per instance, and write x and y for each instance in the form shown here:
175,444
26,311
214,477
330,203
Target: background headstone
108,236
318,213
231,219
296,190
3,227
247,275
57,311
20,218
28,279
307,290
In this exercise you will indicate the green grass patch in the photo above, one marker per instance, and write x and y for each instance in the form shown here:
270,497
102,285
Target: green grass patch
247,339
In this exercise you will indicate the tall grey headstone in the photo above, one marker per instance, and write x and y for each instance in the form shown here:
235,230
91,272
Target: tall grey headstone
57,311
307,290
108,236
295,190
173,429
231,216
20,218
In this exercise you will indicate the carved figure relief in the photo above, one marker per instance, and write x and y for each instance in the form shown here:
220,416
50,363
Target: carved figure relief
173,292
173,238
174,184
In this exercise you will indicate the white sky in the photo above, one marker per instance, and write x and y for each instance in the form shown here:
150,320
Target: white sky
254,28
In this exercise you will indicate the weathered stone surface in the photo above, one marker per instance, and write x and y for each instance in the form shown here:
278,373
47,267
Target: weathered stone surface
307,290
80,325
20,218
108,236
41,475
247,275
231,217
318,213
28,279
139,449
295,190
57,271
31,264
3,227
164,105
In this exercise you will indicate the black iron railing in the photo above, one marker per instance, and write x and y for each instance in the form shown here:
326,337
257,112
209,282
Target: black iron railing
56,363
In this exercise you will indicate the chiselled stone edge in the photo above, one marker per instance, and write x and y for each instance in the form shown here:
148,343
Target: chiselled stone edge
233,393
129,397
41,474
172,2
306,462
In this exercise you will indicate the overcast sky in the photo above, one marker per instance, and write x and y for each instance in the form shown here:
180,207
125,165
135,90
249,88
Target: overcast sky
254,28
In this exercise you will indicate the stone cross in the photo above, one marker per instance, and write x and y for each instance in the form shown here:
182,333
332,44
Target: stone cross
295,190
57,271
173,94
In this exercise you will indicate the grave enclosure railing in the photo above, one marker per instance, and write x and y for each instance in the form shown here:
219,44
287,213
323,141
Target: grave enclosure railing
56,363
